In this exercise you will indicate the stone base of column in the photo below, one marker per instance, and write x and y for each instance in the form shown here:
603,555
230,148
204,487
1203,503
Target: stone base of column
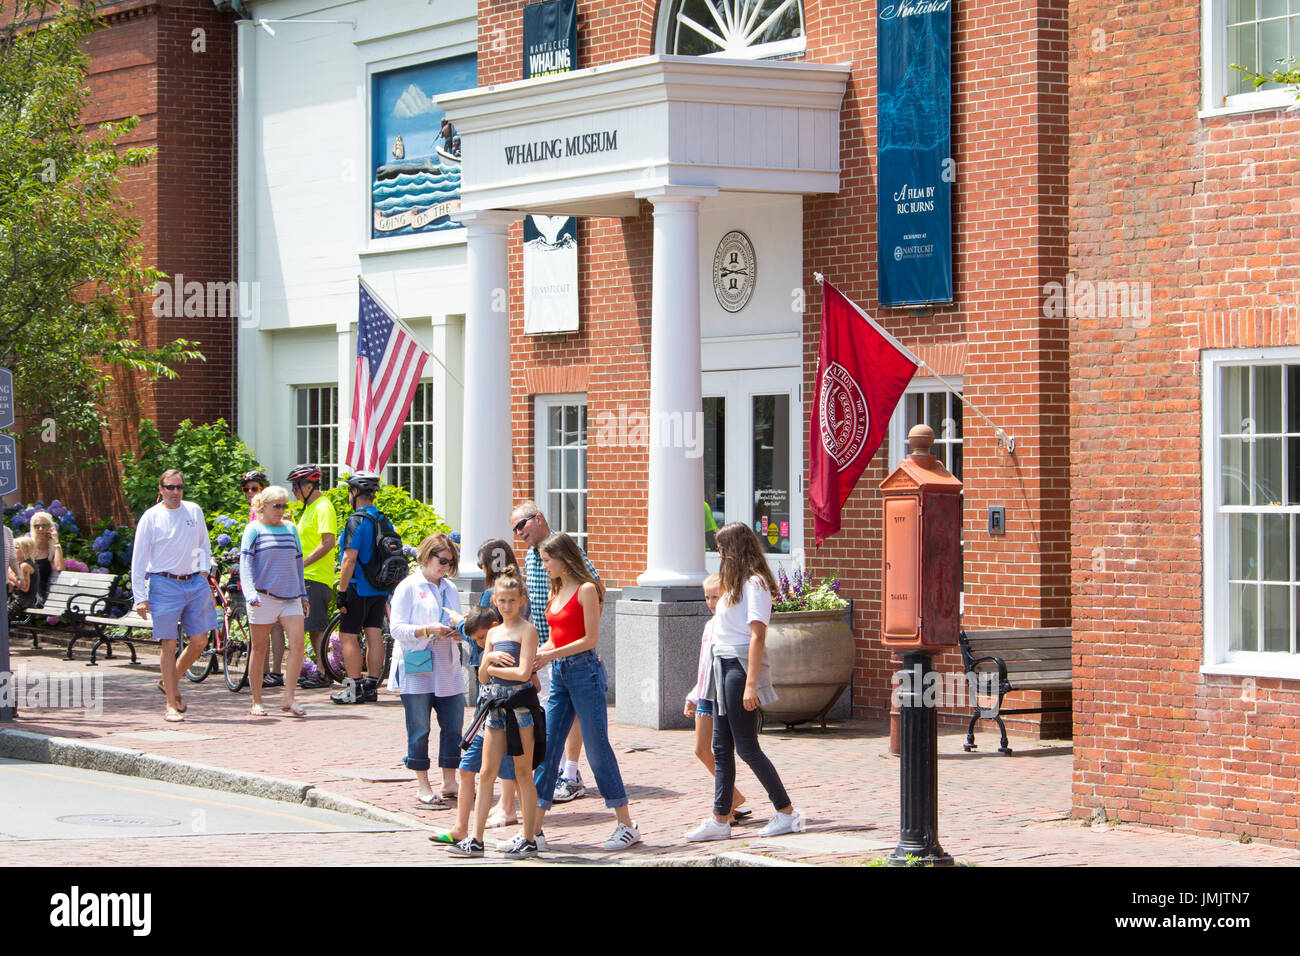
657,634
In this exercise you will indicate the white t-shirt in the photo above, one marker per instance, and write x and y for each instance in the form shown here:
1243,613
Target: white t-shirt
171,540
731,622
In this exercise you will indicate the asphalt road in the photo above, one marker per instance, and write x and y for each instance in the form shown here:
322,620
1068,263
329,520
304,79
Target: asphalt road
48,802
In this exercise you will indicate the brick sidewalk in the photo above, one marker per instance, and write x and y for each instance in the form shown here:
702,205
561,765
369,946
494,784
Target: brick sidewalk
994,810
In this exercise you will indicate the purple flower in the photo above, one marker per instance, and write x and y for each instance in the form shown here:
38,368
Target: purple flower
57,509
105,559
308,667
223,540
73,564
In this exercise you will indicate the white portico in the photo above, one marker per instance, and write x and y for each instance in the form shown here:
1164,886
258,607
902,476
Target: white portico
676,131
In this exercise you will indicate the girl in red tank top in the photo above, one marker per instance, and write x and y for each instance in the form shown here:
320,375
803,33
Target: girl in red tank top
578,683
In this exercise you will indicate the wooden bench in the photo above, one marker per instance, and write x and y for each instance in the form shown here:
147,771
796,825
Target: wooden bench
81,600
1025,659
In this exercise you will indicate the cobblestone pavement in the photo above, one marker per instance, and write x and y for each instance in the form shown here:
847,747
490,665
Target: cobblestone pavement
993,810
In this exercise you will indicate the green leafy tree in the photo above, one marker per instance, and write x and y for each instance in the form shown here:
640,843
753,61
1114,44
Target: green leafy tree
211,457
412,520
70,265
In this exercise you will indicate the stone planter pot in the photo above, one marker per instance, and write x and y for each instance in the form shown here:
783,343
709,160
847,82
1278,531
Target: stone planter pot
811,653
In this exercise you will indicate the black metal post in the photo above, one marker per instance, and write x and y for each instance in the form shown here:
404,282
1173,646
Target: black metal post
8,688
918,771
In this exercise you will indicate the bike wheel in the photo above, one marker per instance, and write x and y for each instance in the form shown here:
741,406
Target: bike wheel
331,652
235,654
202,667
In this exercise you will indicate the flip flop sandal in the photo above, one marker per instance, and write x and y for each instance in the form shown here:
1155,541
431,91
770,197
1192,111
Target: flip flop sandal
741,816
432,802
293,710
446,839
183,706
173,717
257,710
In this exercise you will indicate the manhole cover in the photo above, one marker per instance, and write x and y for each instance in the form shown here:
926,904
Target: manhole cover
116,820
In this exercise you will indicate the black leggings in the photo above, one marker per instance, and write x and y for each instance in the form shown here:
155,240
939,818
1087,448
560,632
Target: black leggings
736,732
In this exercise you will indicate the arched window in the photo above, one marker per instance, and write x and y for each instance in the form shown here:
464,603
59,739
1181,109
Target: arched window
742,29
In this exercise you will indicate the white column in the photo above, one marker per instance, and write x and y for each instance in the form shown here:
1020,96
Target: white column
675,505
486,474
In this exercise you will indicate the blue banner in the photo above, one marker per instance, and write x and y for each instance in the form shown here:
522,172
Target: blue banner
914,151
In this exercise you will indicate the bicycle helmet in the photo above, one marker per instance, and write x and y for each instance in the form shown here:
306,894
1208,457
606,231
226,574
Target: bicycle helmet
305,473
364,482
257,476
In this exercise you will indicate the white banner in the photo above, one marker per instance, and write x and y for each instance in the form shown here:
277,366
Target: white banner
550,274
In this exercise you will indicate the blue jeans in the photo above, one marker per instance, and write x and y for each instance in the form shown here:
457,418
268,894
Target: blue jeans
578,689
419,710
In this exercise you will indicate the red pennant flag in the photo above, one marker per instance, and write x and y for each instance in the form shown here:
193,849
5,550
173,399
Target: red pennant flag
862,371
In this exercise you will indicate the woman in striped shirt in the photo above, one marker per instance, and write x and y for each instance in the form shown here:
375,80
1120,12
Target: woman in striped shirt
270,574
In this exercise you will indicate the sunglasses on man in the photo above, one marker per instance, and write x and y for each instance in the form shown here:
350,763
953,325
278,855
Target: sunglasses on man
519,527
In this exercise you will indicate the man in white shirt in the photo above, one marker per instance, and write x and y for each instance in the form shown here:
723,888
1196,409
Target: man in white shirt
169,564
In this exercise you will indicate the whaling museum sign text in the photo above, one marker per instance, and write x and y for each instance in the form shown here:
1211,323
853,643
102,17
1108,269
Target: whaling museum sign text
561,147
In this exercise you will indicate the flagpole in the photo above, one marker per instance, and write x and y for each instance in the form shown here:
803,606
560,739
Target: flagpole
1004,439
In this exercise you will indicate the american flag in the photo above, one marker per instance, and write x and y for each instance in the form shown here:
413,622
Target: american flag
389,364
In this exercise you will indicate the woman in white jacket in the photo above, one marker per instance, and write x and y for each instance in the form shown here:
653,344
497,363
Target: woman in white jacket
426,664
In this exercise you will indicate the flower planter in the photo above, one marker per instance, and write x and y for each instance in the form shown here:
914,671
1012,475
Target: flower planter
811,654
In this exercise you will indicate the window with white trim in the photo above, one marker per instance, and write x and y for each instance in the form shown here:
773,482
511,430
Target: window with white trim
411,463
316,429
927,402
560,463
1254,34
738,29
1251,404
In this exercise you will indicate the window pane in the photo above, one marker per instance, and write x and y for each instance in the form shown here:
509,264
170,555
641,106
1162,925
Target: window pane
1236,472
555,427
1241,52
1268,471
1242,617
771,456
1277,619
1239,10
936,411
1272,8
955,467
1272,44
715,469
1236,400
571,511
1275,531
572,474
1242,560
553,476
553,507
915,409
1268,400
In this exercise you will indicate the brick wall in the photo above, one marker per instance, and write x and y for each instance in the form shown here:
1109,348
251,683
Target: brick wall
1009,142
1205,212
144,63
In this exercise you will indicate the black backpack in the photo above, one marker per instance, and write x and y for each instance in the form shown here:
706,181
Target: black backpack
387,566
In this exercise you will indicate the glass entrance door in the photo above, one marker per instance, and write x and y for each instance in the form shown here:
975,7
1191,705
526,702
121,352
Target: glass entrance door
753,454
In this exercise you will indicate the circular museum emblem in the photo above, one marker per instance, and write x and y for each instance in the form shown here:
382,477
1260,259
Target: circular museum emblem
843,415
735,269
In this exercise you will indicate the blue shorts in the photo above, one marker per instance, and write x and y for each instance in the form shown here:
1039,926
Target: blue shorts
471,761
703,708
497,720
186,603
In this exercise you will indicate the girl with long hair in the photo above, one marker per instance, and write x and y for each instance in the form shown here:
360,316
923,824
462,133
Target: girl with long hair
741,682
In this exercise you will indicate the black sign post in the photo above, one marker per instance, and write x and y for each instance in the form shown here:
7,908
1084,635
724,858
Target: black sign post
8,485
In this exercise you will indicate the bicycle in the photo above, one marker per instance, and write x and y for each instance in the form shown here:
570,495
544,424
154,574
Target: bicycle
229,643
331,661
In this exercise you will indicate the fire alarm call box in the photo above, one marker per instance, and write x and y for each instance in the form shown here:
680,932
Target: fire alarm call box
922,550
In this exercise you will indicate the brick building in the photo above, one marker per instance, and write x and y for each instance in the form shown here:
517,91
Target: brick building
172,64
1184,228
995,343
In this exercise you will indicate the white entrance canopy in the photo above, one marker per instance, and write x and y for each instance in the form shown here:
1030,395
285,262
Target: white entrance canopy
586,143
673,130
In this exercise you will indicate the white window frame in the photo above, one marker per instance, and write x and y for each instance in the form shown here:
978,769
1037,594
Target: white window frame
898,423
792,47
542,404
1215,66
420,469
1217,658
330,470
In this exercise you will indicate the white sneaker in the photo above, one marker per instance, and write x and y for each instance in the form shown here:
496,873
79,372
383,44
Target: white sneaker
710,829
504,845
623,837
783,823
